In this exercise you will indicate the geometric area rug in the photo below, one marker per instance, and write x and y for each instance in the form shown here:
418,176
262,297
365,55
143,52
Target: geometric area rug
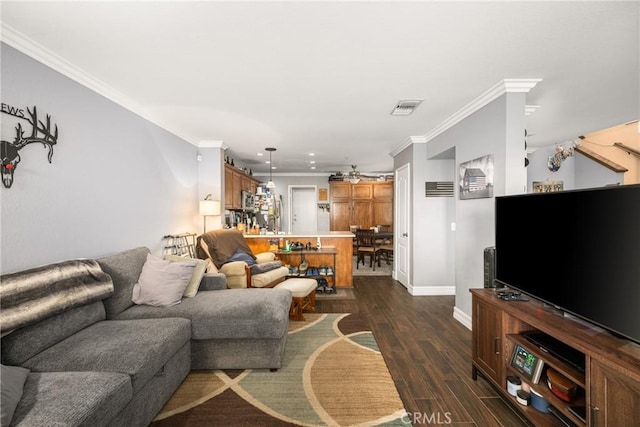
333,374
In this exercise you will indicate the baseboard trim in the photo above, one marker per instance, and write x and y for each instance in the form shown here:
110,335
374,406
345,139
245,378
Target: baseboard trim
432,290
462,317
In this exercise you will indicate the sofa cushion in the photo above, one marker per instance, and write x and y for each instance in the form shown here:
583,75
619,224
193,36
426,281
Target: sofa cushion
138,348
12,379
231,313
162,282
196,277
72,399
124,268
24,343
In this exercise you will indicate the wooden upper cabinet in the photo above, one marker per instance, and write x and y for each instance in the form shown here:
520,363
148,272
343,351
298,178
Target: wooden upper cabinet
340,190
383,190
235,182
365,204
361,191
228,188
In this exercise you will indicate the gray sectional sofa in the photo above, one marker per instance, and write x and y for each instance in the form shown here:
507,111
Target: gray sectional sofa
96,359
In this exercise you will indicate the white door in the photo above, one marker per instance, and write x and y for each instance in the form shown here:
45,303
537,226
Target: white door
402,232
303,215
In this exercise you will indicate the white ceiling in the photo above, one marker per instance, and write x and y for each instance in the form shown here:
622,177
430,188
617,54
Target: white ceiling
323,76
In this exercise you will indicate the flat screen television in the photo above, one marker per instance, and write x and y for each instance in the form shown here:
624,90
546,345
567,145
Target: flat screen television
578,251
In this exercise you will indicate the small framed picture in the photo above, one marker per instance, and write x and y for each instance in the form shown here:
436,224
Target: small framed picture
528,364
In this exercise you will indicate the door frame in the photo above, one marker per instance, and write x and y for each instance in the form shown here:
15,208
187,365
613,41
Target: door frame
314,211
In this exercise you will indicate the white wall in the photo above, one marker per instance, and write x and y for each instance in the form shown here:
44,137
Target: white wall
497,129
431,270
116,181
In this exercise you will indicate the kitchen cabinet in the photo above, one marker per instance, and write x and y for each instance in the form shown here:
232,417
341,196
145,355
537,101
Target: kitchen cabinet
366,204
235,182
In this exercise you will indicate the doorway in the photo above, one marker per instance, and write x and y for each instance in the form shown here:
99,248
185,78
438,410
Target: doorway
402,225
303,210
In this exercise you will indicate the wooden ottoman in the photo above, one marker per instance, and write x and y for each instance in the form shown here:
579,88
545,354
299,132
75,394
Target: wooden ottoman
304,296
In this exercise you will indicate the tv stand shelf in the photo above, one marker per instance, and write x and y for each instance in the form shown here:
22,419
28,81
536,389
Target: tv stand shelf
609,387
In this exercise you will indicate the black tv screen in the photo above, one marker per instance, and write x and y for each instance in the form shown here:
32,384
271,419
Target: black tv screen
576,250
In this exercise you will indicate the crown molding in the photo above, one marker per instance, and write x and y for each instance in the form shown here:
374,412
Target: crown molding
499,89
24,44
407,143
213,144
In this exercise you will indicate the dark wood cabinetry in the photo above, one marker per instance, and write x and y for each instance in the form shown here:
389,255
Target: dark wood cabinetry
609,387
366,204
486,350
235,182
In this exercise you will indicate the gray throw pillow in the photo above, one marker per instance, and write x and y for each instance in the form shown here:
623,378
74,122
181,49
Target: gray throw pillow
12,379
162,282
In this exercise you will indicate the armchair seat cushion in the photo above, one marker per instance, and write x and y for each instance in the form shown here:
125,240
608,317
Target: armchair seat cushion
267,278
264,267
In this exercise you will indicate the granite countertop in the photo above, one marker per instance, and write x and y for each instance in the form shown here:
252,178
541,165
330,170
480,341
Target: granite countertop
320,234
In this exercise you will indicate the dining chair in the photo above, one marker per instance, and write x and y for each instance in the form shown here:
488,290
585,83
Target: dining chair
366,245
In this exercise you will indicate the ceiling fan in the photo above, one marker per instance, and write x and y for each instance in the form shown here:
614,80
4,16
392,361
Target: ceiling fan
354,176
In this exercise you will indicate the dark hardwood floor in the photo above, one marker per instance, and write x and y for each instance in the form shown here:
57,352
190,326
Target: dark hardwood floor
428,354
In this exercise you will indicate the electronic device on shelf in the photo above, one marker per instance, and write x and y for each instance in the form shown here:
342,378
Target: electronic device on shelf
529,365
557,348
576,250
509,295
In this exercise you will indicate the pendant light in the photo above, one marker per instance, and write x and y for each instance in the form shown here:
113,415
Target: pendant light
270,184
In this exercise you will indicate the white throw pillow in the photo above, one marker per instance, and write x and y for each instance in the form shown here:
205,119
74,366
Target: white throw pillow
196,278
162,282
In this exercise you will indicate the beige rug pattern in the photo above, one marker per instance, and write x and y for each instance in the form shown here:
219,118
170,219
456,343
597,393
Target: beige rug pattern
333,375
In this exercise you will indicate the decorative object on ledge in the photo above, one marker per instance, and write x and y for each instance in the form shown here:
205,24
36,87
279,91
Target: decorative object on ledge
547,186
40,132
209,207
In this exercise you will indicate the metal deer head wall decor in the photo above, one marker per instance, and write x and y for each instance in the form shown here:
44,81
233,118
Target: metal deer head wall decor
40,132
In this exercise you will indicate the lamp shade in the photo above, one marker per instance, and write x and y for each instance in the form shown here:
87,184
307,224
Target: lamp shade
209,207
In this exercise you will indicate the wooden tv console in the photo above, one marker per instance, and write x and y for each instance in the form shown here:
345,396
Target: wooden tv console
609,387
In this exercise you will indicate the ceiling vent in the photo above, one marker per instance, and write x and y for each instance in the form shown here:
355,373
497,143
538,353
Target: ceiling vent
404,107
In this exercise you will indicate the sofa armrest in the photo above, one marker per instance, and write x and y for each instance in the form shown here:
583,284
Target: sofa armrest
265,257
234,268
213,282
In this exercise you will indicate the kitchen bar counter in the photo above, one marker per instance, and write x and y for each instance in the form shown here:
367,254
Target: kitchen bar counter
342,241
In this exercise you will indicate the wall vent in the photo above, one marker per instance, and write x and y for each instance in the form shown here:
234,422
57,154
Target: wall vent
404,107
438,189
